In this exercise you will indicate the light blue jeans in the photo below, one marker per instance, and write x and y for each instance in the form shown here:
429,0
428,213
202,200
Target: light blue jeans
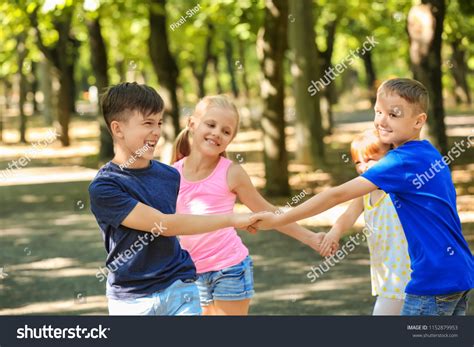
179,299
454,304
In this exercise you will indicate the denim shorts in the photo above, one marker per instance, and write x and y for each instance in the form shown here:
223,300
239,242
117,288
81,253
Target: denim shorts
230,284
179,299
454,304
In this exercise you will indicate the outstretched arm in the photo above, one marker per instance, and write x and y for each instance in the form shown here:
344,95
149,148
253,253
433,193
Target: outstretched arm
146,218
355,188
239,182
342,225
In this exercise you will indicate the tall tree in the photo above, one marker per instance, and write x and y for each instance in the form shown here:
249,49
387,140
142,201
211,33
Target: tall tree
62,56
164,63
22,53
271,52
302,40
425,27
100,67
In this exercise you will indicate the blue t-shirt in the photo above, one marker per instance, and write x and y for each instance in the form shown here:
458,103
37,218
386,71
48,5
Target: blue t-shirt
422,191
139,263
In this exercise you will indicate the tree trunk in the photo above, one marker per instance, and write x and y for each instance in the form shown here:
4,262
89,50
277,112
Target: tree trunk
271,53
100,68
425,26
242,69
34,85
229,55
309,131
201,76
370,75
329,93
164,64
459,71
62,57
44,78
213,59
22,52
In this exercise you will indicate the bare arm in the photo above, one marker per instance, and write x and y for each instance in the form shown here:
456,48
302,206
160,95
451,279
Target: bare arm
342,225
356,187
146,218
240,183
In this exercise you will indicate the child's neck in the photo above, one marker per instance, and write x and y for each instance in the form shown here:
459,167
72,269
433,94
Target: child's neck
414,138
197,162
129,160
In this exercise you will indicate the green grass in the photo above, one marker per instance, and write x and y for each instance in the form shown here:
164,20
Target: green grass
51,249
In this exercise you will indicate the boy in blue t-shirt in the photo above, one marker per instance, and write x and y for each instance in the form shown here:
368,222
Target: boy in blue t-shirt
419,182
133,199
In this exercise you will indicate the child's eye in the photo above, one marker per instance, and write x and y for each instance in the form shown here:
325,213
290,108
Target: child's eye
210,125
392,115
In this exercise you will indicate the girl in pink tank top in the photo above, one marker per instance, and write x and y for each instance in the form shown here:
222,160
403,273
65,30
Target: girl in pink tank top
210,184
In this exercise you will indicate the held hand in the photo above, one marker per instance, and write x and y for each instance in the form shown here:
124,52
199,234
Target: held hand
242,220
265,220
315,241
330,243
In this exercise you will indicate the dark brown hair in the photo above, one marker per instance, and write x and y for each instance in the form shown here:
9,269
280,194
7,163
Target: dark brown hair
409,89
118,102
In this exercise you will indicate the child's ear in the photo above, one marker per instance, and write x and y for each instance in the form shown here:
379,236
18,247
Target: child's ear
191,123
420,120
116,129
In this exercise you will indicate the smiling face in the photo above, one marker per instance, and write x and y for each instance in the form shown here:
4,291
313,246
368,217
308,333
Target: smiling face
366,162
396,120
137,137
214,130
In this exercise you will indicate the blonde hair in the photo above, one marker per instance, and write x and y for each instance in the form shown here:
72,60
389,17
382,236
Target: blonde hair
182,144
413,91
367,144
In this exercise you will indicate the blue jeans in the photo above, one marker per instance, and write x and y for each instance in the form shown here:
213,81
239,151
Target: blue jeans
233,283
454,304
179,299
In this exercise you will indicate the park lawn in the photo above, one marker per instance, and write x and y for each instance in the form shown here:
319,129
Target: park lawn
51,250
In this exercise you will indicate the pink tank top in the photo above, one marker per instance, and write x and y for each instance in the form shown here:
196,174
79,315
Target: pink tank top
219,249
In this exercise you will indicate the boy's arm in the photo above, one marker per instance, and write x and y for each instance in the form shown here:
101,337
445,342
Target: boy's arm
113,205
146,218
356,187
240,183
342,225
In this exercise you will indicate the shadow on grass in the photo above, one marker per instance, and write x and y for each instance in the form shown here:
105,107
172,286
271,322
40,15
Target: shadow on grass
51,250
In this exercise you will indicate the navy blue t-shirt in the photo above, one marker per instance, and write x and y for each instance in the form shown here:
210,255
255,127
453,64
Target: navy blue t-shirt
422,191
139,263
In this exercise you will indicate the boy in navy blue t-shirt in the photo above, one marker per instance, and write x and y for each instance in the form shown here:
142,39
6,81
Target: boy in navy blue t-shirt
419,182
133,199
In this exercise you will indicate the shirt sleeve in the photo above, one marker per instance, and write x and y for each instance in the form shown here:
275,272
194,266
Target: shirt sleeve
388,174
109,202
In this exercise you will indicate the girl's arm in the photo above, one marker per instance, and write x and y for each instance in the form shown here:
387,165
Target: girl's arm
239,182
331,197
342,225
